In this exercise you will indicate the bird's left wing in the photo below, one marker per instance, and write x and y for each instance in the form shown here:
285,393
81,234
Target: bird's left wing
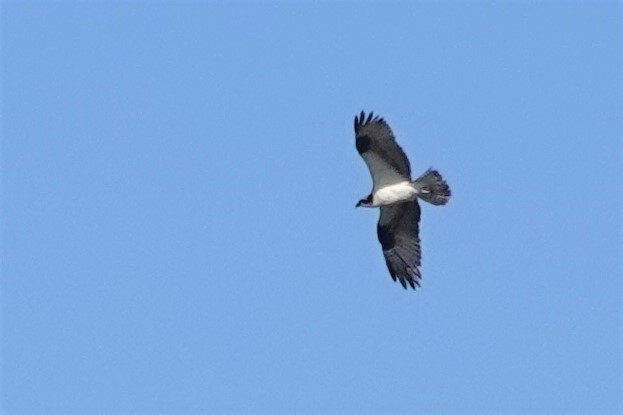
377,145
398,231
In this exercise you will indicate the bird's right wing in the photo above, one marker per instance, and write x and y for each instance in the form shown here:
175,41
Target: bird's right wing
398,231
377,145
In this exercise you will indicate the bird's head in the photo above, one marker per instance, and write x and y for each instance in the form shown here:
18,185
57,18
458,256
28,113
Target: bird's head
367,202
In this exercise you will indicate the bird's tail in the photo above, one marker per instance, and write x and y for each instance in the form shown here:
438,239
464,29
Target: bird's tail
432,188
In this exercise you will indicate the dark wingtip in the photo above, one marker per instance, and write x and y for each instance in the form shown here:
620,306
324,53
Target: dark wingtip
408,277
415,278
370,117
413,282
362,119
359,120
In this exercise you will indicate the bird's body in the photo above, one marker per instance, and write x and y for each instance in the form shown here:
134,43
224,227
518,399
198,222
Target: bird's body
397,196
393,193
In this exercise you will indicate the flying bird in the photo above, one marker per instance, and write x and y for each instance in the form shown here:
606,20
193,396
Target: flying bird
397,196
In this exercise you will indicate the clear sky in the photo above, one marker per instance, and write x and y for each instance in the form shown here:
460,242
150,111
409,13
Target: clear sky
178,190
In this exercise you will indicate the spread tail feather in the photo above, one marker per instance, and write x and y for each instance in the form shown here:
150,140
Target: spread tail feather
432,188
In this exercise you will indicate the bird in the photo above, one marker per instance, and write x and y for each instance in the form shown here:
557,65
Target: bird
396,195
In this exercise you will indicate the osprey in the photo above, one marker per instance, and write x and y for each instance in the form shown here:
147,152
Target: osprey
397,196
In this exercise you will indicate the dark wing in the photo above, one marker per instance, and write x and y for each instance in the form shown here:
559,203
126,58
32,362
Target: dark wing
398,231
376,143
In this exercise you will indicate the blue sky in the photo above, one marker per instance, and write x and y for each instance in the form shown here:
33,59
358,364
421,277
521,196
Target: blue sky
178,191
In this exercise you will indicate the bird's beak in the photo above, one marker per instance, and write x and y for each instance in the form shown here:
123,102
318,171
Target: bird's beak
357,205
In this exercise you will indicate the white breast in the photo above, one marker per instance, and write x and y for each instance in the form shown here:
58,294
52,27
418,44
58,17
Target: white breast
399,192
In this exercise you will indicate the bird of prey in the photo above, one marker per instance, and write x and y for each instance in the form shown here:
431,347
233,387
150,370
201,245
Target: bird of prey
397,196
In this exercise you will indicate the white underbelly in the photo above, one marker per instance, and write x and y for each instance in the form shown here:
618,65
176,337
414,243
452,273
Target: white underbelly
399,192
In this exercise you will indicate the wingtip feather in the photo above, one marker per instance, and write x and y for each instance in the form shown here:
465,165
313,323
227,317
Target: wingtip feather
359,120
362,119
370,117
